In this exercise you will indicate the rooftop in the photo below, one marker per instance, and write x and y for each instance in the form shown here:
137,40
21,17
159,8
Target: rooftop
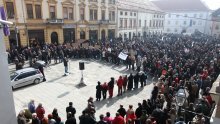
181,5
138,5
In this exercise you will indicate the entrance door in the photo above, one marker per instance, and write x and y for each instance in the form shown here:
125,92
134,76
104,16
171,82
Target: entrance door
93,35
129,35
82,35
103,35
54,38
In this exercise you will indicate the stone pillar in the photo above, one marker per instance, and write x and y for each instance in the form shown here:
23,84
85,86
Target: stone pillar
7,109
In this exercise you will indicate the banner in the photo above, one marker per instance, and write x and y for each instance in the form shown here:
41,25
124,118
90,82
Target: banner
122,56
3,17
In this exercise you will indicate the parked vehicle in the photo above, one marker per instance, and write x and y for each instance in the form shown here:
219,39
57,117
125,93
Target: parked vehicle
25,77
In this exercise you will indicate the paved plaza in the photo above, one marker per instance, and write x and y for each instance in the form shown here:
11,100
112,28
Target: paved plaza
59,90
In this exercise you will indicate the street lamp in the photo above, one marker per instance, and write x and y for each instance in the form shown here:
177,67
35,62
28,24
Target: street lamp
180,96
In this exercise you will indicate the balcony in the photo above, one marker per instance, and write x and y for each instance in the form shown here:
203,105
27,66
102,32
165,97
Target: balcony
55,21
111,2
104,22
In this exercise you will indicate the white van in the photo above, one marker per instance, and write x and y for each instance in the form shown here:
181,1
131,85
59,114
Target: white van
25,77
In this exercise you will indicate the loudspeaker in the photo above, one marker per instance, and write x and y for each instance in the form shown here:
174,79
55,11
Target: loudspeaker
81,66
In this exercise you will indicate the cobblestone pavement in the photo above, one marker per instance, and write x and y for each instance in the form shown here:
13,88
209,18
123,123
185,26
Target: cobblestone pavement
59,90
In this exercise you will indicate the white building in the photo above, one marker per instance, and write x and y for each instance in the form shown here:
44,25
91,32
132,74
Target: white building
138,18
185,16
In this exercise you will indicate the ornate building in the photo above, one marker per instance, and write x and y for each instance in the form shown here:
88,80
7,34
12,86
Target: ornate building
58,21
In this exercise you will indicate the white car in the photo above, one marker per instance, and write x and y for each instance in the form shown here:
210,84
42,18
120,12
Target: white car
25,77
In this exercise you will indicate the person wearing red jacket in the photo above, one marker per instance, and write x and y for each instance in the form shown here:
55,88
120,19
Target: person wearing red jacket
118,119
40,112
120,84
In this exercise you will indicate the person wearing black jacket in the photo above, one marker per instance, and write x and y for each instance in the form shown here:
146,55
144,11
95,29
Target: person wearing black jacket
130,81
111,87
136,81
101,120
70,109
65,62
122,111
71,119
98,91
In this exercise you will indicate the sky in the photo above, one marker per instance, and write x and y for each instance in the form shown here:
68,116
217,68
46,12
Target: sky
212,4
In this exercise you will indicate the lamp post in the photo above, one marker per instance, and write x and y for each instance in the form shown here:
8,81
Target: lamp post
180,99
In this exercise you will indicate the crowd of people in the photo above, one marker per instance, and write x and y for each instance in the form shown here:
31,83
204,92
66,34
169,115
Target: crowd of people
176,61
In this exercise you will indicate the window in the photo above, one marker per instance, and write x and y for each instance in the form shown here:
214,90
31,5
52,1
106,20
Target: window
93,14
154,16
103,1
126,13
139,23
168,22
145,23
111,1
65,13
169,15
200,22
103,14
52,12
10,10
125,26
150,23
168,30
70,10
177,16
153,23
175,30
184,22
130,13
121,13
195,15
38,11
201,15
30,11
112,15
135,23
185,15
82,13
130,23
134,14
176,22
121,23
194,22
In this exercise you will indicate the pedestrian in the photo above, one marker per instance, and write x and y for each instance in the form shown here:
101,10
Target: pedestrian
111,87
71,119
21,118
70,109
122,111
35,119
108,118
130,116
130,82
31,106
40,112
41,69
98,91
104,90
101,117
138,113
120,84
125,82
55,115
65,62
118,119
136,81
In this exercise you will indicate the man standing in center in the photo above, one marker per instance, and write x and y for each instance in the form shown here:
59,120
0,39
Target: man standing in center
65,62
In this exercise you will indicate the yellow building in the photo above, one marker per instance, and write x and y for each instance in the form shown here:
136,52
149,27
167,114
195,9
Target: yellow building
58,21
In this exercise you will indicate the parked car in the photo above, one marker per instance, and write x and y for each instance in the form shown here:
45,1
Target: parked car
25,77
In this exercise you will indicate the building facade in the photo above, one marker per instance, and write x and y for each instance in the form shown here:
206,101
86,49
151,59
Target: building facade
216,24
58,21
185,16
138,18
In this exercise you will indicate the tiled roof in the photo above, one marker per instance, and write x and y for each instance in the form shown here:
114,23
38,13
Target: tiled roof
181,5
144,5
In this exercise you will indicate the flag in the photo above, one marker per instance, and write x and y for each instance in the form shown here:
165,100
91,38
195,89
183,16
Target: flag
3,17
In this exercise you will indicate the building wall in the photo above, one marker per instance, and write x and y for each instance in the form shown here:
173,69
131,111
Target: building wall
216,27
141,17
176,22
24,24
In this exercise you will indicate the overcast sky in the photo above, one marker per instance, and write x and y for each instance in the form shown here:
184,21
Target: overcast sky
212,4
